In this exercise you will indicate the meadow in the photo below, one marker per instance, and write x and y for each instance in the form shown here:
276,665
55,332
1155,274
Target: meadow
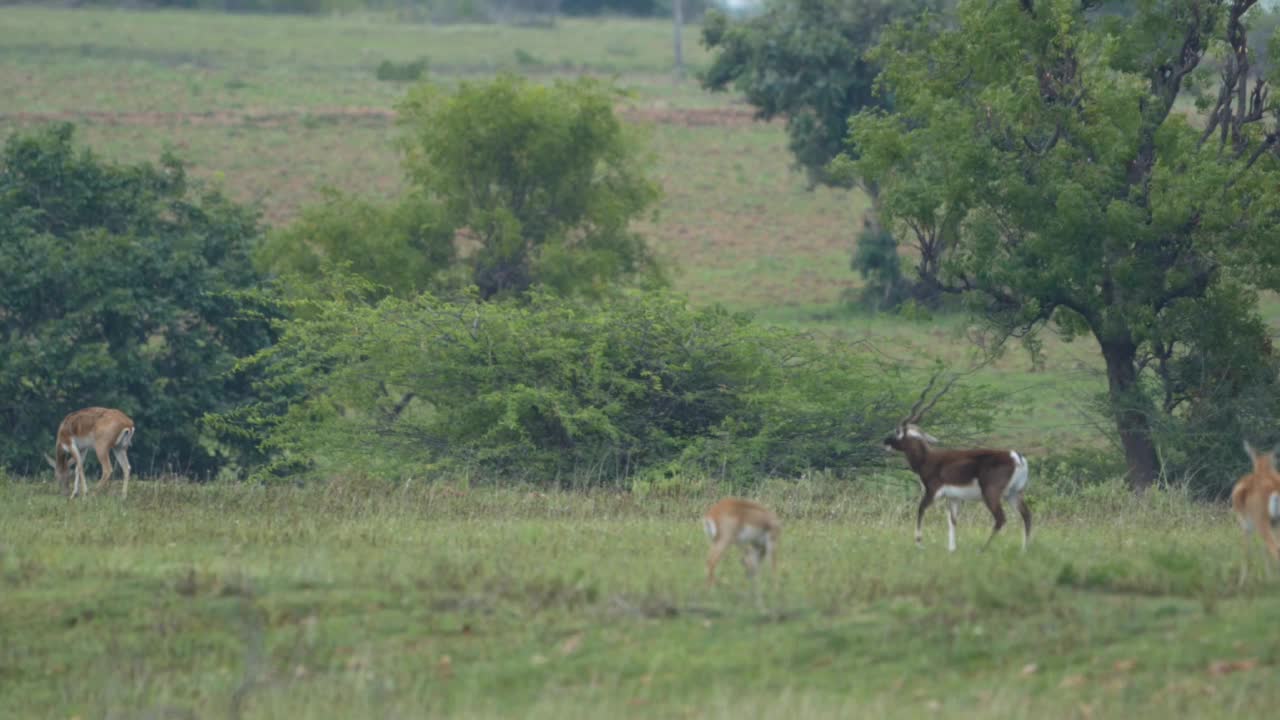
356,599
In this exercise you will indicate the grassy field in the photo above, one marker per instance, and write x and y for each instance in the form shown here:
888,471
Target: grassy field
356,599
362,600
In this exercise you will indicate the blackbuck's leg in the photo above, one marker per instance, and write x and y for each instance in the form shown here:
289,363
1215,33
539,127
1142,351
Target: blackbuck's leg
77,481
753,553
992,498
771,553
104,459
1025,512
724,538
953,507
751,559
924,505
122,457
1245,531
1268,537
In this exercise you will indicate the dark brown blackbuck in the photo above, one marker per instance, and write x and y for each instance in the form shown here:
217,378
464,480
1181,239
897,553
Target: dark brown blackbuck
957,476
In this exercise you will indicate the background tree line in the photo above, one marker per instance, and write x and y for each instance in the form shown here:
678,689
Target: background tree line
431,10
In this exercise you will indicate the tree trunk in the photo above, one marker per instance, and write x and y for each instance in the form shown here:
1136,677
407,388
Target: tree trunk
1130,411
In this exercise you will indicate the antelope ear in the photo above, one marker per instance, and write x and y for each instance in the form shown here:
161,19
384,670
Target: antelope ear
49,460
931,439
1253,454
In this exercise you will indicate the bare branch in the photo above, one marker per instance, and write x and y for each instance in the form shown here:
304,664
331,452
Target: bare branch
917,413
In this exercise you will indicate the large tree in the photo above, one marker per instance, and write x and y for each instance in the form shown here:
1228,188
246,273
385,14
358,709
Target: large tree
538,184
806,61
1113,177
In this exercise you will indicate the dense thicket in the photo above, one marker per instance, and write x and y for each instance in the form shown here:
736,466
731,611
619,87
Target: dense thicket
557,390
118,287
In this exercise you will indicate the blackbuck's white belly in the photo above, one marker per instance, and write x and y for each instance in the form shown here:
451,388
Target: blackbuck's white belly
967,493
971,492
748,534
82,444
752,535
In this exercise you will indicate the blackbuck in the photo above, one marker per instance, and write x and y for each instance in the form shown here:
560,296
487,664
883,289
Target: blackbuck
1256,502
105,431
733,521
992,476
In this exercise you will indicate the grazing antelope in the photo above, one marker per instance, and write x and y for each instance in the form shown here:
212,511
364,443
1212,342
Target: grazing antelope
103,429
752,525
957,476
1256,502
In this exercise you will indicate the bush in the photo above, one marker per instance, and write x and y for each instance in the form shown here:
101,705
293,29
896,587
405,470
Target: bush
402,72
401,246
561,391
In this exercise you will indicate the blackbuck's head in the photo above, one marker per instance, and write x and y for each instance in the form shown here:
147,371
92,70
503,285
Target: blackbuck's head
1264,461
908,432
905,433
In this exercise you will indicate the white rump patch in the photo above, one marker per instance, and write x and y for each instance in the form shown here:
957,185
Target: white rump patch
709,526
967,493
1273,505
1019,481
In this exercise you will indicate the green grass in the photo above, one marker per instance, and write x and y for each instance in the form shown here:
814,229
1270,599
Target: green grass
358,599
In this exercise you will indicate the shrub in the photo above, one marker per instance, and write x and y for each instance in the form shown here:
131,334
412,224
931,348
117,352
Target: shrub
401,246
402,72
558,390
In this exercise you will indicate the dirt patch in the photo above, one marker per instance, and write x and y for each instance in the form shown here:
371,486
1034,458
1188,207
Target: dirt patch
368,116
691,117
260,118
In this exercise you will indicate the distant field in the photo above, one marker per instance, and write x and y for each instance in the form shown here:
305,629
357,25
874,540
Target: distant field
367,600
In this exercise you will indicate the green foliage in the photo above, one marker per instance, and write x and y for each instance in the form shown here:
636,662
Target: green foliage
411,71
805,60
1038,143
546,182
118,287
402,246
564,390
876,260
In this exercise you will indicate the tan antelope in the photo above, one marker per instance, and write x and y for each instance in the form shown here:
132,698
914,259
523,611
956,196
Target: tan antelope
992,476
752,525
1256,502
102,429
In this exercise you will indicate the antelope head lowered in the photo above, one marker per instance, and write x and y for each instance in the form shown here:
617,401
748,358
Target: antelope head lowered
992,476
103,430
